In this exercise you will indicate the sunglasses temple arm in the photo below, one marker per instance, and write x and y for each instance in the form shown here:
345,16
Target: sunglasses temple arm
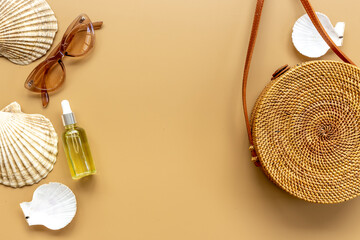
97,25
45,98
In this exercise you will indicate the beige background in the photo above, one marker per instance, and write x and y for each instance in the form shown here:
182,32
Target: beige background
160,99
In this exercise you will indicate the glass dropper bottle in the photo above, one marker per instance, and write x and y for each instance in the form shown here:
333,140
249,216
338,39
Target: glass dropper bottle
76,145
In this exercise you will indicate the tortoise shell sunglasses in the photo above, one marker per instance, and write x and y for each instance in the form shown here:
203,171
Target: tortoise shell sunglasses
49,75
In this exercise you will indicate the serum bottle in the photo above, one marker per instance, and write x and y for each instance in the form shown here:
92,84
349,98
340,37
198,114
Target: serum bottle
76,145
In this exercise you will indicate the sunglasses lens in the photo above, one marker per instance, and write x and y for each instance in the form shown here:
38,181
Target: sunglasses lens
81,38
47,77
81,43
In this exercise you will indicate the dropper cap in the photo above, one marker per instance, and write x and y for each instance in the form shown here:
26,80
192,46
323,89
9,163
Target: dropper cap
68,116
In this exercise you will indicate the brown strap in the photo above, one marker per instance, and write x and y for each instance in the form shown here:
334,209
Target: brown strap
315,20
311,13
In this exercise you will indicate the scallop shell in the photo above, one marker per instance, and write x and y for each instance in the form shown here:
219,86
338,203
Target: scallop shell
308,41
28,147
27,29
53,205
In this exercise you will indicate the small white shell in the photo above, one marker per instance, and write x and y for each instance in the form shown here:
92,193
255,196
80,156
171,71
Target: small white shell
53,205
308,41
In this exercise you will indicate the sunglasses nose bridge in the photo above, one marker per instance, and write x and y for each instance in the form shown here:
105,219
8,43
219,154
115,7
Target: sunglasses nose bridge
59,55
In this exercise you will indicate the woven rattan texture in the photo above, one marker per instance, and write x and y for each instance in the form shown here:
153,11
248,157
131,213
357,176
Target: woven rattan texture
306,130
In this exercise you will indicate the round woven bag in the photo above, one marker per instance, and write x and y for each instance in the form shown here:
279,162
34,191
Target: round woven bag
306,131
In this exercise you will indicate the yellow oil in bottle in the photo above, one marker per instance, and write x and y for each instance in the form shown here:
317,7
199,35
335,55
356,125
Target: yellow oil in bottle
76,145
77,152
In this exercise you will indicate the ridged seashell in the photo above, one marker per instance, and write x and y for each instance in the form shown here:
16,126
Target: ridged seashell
28,147
53,205
27,29
308,41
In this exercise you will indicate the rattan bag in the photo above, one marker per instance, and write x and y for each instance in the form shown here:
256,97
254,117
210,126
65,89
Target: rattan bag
304,130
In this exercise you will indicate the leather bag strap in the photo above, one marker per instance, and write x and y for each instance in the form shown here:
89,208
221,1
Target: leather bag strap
311,13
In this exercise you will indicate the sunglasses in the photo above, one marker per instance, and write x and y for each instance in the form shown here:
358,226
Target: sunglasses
49,75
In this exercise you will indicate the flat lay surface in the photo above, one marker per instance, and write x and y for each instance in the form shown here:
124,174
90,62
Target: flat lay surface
160,99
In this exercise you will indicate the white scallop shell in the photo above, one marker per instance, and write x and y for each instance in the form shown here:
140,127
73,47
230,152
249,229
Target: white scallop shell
28,147
53,205
308,41
27,29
